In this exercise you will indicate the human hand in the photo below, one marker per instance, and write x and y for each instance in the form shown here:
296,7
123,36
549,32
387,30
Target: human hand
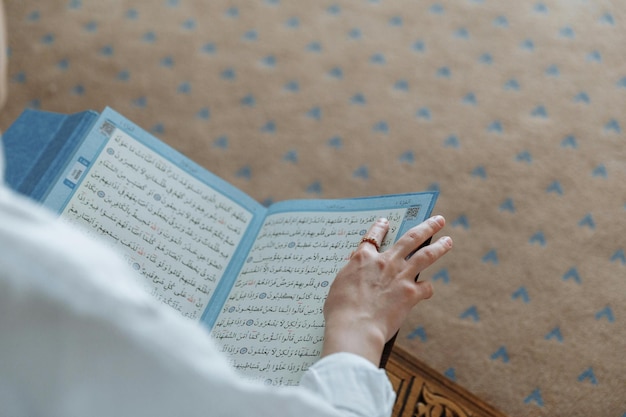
372,295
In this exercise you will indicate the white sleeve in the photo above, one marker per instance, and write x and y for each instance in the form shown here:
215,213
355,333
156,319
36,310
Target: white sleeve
79,337
352,384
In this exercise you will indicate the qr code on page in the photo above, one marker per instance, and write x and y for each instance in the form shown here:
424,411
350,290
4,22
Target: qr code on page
411,213
107,128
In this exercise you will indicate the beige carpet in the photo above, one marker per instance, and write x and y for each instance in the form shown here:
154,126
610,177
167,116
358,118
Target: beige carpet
515,111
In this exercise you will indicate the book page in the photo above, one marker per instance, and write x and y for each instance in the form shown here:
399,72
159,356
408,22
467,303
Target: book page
177,231
272,324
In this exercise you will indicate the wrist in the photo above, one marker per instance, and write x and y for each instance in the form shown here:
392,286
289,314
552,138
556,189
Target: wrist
363,340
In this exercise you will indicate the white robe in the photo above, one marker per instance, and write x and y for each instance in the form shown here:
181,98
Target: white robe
80,337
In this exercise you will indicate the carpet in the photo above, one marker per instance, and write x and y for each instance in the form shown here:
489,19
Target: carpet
514,111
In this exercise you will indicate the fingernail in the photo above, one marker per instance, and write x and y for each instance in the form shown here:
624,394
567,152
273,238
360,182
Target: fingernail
383,220
447,240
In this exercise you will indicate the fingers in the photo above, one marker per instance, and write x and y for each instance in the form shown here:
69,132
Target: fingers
416,236
429,254
375,235
406,248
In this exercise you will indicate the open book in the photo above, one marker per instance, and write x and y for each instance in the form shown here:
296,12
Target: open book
255,276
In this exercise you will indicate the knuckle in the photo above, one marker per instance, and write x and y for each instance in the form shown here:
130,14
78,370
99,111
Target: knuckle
430,254
357,255
410,289
381,262
361,255
417,236
418,291
413,292
414,234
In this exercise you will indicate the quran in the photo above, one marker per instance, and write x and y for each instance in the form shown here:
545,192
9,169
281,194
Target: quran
255,276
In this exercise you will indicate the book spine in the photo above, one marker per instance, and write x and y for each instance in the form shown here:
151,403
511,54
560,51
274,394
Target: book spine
37,147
